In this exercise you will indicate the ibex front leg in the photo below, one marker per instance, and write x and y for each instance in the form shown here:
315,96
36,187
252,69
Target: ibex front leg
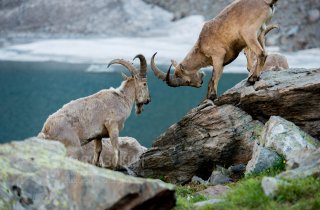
114,135
254,45
217,63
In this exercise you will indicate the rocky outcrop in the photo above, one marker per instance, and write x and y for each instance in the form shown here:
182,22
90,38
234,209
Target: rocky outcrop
130,151
292,94
36,174
284,137
206,136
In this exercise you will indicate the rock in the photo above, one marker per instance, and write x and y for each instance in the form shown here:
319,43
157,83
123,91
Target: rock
36,174
219,176
236,172
207,136
130,151
208,202
284,137
292,94
313,15
271,186
262,159
214,191
302,164
198,180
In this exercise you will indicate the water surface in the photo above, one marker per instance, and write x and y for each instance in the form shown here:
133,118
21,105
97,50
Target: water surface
31,91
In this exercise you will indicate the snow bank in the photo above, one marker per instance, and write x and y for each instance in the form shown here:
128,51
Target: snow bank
176,40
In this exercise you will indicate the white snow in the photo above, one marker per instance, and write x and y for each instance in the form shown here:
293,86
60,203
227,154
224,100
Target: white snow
172,41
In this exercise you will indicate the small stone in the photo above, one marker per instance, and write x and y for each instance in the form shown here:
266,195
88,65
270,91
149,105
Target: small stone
214,191
313,15
198,180
208,202
270,186
219,176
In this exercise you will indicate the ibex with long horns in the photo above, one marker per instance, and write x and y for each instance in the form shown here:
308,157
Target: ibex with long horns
100,115
220,42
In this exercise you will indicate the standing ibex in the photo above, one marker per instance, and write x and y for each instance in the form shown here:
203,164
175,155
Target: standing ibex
100,115
220,42
274,61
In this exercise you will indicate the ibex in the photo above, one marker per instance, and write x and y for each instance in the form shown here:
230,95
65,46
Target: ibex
274,61
99,115
220,42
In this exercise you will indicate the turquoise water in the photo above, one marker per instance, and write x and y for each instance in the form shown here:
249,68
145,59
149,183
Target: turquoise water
30,92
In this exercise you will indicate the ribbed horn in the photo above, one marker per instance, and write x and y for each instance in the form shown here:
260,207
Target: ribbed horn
157,72
143,65
126,64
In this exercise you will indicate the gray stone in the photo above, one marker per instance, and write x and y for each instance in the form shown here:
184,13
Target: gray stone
292,94
36,174
284,137
219,176
271,186
262,159
130,151
314,15
207,136
198,180
302,164
214,191
208,202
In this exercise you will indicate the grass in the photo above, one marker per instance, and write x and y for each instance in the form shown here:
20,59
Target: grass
248,194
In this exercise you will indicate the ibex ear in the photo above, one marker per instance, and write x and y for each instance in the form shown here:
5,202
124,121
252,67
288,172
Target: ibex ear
125,77
174,63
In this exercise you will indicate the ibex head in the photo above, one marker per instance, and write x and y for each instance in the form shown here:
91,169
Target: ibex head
142,95
181,77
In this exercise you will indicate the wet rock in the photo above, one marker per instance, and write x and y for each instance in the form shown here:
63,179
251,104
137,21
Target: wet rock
284,137
207,136
262,159
36,174
292,94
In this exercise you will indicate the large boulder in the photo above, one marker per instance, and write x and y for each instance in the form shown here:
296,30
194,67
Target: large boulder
292,94
36,174
130,151
207,136
285,137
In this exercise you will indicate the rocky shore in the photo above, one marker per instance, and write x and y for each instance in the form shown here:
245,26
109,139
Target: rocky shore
247,130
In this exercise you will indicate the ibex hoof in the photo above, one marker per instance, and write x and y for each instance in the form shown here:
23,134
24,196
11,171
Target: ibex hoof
252,79
212,96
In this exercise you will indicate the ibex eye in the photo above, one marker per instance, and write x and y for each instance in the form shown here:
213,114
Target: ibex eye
145,84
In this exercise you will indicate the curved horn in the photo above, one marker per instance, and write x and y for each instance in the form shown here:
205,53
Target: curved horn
157,72
262,36
126,64
143,65
172,82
